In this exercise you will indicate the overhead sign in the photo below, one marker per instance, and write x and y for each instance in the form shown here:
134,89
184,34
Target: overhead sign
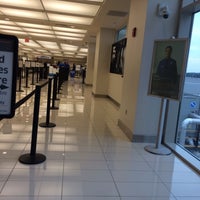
8,73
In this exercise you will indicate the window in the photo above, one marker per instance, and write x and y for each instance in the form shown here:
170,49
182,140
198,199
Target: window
188,132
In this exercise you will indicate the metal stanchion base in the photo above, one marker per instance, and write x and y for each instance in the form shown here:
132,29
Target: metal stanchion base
162,150
30,159
47,125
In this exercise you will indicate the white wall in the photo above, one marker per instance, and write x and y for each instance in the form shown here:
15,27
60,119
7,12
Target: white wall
140,112
104,41
90,64
115,87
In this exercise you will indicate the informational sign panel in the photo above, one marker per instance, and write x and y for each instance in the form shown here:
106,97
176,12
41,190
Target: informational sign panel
8,72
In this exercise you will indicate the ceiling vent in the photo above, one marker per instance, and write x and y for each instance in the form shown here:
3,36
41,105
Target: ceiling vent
116,13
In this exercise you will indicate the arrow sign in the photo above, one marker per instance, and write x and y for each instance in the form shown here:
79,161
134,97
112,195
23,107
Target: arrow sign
3,87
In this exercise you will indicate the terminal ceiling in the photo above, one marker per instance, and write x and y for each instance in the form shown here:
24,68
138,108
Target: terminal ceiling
60,29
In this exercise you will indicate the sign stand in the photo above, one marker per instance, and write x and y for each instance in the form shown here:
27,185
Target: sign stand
158,148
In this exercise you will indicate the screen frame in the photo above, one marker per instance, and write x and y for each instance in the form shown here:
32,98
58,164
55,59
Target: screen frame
183,42
13,40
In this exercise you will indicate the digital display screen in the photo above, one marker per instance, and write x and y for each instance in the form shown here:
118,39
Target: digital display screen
8,71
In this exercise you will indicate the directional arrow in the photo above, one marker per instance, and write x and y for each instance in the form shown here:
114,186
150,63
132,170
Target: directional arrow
3,87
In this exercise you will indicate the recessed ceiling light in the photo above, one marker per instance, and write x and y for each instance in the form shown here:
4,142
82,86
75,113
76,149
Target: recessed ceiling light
40,26
69,47
31,43
70,7
73,30
4,27
47,44
6,22
42,35
70,19
69,38
69,34
14,32
24,13
38,30
84,50
22,3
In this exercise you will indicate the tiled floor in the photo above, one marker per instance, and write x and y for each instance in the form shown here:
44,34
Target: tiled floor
88,156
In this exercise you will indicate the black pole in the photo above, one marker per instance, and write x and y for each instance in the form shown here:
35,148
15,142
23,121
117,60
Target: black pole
37,74
53,107
27,78
34,158
47,123
56,87
20,80
33,73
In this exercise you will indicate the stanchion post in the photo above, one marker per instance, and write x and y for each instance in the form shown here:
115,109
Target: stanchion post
47,123
56,87
34,158
53,107
20,80
33,76
27,78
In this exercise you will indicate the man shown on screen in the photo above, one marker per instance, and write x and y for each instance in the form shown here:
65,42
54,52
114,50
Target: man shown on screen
165,81
167,67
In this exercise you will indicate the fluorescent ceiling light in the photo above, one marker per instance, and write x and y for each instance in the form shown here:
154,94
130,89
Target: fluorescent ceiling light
85,50
69,34
38,30
24,13
96,0
22,3
41,35
31,43
14,32
41,50
6,22
10,27
27,49
68,47
60,55
69,38
70,19
73,30
40,26
81,54
49,45
70,7
52,51
68,53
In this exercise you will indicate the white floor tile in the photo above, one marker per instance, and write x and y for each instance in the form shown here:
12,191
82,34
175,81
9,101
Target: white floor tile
88,157
89,189
143,189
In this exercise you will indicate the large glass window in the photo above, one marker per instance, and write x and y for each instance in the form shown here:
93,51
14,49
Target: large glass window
188,132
